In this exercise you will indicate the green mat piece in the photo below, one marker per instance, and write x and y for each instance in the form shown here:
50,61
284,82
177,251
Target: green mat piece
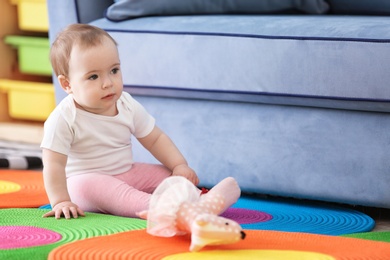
71,230
383,236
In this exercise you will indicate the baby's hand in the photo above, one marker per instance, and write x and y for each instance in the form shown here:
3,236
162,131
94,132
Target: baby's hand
66,208
187,172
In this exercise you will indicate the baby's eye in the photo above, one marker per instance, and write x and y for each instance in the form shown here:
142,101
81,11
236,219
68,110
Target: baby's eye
93,77
114,71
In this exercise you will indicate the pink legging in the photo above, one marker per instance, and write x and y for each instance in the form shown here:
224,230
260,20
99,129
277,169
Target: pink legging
122,195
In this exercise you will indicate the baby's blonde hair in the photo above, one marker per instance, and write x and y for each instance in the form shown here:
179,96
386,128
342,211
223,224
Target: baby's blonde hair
83,35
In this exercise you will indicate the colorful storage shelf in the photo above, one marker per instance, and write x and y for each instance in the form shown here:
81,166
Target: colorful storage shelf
28,100
32,15
33,54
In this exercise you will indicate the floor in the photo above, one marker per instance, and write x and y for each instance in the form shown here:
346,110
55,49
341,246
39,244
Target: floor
381,217
32,132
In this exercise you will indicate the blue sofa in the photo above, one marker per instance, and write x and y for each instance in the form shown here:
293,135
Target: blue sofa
293,105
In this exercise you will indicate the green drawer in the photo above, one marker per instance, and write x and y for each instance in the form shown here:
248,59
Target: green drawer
33,54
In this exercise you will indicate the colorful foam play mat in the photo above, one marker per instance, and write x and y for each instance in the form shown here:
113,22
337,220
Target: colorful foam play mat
21,189
276,228
24,233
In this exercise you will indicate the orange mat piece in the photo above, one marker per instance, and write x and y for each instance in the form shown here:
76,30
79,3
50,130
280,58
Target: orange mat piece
140,245
22,189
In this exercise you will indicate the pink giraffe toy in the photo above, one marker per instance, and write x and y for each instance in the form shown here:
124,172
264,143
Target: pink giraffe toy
176,208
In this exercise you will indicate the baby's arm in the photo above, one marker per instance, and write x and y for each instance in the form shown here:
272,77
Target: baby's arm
56,188
164,150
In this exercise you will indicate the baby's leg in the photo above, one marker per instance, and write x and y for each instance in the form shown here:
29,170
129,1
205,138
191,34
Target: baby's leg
106,194
121,195
145,177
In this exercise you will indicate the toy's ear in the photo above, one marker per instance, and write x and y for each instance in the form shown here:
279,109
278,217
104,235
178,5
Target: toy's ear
201,221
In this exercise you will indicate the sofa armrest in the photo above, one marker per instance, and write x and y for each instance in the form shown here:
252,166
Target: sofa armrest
61,13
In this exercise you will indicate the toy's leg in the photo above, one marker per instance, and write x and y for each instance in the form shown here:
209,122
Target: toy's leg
227,188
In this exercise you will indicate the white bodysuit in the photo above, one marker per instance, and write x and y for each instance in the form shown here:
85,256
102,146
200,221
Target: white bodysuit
96,143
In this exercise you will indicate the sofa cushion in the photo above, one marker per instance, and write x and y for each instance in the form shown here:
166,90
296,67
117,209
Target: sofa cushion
367,7
324,61
128,9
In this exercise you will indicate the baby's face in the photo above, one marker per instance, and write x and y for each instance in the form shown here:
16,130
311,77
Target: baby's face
95,78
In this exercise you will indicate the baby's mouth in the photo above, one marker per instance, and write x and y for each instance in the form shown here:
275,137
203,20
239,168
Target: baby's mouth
108,96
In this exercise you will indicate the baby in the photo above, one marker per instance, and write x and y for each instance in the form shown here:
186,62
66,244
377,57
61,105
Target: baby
86,148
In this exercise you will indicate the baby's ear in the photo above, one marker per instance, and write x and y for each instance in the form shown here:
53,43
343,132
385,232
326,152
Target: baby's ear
64,82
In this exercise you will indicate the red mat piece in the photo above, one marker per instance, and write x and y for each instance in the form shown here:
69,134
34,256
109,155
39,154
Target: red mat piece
22,189
140,245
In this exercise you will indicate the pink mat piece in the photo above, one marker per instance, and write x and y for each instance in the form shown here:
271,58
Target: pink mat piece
13,237
246,216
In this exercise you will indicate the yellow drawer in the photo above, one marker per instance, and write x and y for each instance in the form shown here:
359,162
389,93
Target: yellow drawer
28,100
32,15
